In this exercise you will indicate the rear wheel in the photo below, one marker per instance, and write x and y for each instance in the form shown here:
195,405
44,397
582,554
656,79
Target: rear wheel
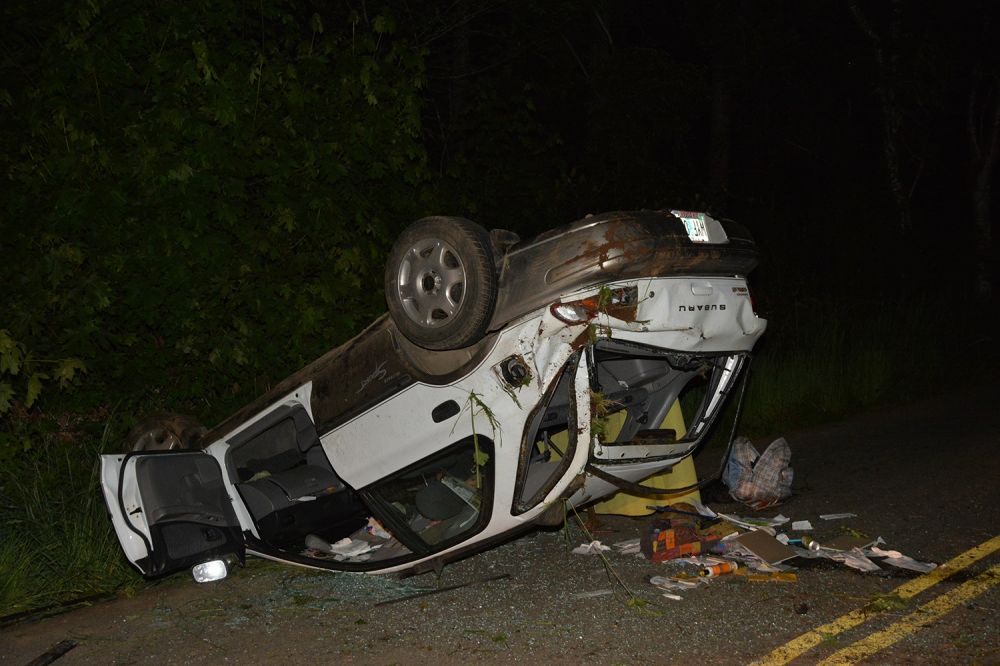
440,283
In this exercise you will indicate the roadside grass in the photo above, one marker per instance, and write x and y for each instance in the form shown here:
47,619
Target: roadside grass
56,541
820,362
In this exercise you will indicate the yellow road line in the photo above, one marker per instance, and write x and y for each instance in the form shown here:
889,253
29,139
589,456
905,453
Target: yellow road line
807,641
924,615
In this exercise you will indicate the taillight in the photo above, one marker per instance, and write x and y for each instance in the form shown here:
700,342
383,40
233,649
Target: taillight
620,303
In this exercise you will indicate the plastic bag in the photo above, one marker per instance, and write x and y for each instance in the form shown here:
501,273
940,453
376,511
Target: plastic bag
757,479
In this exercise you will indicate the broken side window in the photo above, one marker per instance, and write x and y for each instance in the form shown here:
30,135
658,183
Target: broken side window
549,442
444,497
635,388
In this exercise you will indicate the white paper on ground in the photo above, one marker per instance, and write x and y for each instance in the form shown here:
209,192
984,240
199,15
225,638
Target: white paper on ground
853,558
897,559
802,526
627,547
701,508
592,548
766,524
837,516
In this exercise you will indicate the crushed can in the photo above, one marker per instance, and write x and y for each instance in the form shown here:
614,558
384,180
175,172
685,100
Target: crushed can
806,542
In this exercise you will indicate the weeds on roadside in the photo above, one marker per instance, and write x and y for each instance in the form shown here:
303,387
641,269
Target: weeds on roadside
56,542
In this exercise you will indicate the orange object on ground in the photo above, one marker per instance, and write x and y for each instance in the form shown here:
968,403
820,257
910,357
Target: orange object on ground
679,541
718,570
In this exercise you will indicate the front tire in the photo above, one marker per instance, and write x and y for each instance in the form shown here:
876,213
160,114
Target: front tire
440,282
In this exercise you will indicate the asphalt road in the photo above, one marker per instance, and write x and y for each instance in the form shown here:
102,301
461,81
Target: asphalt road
925,477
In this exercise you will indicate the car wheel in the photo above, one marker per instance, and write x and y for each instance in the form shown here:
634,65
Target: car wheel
164,433
440,283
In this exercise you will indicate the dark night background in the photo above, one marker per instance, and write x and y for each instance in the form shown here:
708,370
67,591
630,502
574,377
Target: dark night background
199,198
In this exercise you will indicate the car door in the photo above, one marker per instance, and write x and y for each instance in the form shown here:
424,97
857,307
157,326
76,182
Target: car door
171,510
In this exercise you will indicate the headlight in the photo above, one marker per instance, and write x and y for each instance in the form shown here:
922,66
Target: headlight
206,572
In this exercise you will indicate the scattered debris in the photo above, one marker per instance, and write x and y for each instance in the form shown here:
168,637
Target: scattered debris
759,480
356,550
768,577
766,524
676,583
718,570
854,558
374,527
806,542
594,593
837,516
668,540
765,547
593,548
681,535
897,559
629,547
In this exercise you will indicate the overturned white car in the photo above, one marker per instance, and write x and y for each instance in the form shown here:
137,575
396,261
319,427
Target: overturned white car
469,413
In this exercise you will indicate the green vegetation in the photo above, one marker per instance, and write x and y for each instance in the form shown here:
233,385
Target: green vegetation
198,199
56,544
185,185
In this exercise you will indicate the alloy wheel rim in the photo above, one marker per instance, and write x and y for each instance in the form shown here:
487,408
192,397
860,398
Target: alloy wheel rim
431,283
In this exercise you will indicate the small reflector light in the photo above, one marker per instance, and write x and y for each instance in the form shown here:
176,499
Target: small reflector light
206,572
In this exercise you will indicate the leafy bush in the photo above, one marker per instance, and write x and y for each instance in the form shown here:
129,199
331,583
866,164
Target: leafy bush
203,185
198,200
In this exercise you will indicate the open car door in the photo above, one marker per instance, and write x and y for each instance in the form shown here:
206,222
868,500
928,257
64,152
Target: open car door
171,511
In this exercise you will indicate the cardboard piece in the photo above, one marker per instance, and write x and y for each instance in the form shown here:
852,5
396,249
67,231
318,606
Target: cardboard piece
765,546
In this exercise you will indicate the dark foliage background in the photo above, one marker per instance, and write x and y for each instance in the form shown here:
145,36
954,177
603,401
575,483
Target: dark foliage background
197,197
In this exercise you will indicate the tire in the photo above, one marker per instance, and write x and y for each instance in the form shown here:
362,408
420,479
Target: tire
164,433
440,282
